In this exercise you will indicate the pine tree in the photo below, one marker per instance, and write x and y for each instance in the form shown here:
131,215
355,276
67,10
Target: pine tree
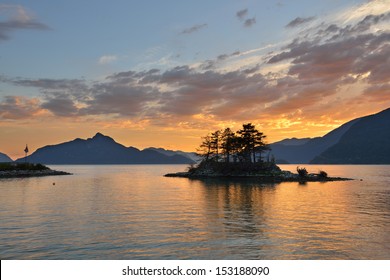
252,142
227,143
205,147
215,144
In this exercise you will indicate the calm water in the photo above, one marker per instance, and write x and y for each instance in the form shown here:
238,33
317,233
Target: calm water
132,212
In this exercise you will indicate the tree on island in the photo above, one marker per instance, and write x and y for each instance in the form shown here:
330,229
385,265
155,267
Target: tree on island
205,149
252,142
245,145
228,143
239,154
226,151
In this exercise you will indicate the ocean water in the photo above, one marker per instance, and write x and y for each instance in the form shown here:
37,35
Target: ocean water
133,212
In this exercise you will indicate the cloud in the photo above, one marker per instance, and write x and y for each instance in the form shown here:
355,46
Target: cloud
331,65
249,22
194,28
325,59
241,14
373,7
18,19
19,107
107,59
60,106
337,59
212,63
175,93
299,21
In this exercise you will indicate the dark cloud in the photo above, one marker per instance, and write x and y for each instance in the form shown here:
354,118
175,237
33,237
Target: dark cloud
299,21
222,57
249,22
241,14
331,57
222,94
18,107
122,100
52,84
370,20
139,94
194,28
361,27
210,64
56,91
294,49
19,19
61,106
340,53
357,55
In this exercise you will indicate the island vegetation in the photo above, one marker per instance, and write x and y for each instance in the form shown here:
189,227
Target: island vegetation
244,153
26,169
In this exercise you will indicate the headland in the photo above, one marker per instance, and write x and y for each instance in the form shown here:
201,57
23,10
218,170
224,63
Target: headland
22,170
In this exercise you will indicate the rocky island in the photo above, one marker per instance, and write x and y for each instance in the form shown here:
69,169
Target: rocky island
264,172
21,170
241,155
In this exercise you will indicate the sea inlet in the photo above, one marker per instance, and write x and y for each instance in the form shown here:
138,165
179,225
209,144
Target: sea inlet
134,212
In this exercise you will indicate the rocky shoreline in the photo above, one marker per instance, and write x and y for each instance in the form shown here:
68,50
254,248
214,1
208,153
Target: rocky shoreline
282,176
30,173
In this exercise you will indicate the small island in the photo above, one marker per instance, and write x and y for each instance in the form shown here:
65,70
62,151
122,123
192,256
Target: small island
22,170
263,172
228,154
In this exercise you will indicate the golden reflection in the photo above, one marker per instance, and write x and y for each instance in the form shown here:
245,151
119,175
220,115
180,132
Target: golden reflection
299,217
132,212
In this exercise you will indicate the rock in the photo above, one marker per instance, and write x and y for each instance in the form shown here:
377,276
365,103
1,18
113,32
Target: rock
30,173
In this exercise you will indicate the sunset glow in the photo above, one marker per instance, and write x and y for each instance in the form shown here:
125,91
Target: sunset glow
158,74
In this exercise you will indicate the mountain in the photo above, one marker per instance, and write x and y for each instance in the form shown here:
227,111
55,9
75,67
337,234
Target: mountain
5,158
100,149
367,141
304,153
364,140
190,155
293,141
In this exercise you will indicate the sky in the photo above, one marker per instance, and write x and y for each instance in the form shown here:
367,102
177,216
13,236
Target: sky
165,73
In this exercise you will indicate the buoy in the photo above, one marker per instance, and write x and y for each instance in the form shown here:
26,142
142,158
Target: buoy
54,183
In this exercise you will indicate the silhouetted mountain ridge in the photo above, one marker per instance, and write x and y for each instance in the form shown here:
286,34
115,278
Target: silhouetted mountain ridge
367,141
190,155
100,149
306,152
5,158
364,140
293,141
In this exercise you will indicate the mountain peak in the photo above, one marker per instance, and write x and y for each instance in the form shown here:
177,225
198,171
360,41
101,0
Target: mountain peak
98,135
5,158
101,138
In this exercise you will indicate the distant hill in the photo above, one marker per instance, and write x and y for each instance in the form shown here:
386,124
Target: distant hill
367,141
284,151
5,158
190,155
100,149
293,141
